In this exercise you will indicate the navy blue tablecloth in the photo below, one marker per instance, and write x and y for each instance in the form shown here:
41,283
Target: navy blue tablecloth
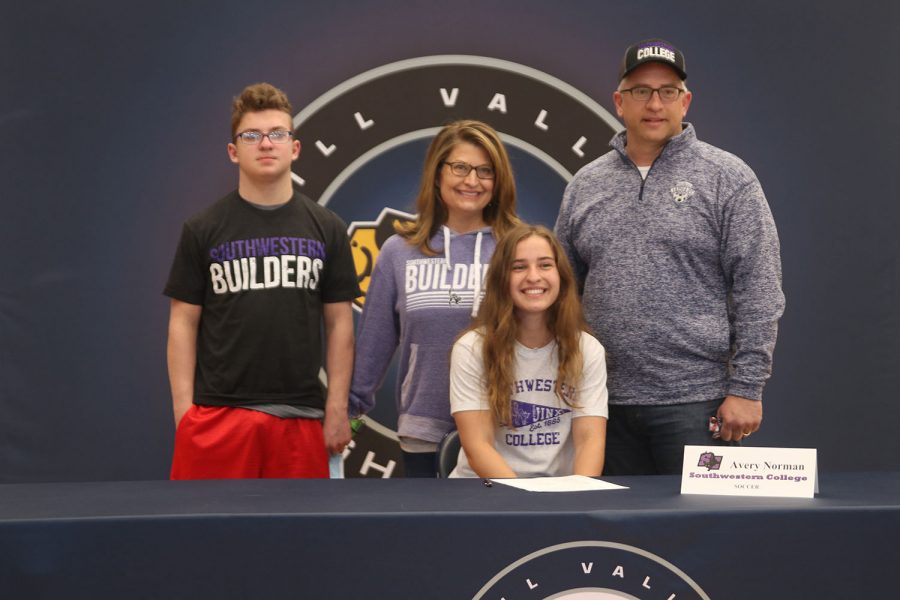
445,539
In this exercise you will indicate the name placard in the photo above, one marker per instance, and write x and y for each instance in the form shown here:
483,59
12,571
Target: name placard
740,471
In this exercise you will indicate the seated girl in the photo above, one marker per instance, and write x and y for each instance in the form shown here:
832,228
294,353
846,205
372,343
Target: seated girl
527,382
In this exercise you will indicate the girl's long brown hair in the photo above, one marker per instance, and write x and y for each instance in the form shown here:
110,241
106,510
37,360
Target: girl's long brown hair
498,327
500,213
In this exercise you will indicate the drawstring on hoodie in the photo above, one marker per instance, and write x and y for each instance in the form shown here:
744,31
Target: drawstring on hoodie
476,301
447,246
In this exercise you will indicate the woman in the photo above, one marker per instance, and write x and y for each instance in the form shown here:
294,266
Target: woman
427,284
527,382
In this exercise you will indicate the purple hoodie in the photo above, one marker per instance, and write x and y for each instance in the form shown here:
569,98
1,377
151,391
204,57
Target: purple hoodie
420,303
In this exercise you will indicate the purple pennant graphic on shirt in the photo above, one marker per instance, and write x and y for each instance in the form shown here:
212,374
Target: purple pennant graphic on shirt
524,413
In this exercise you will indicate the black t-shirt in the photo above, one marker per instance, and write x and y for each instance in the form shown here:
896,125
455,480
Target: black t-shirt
261,277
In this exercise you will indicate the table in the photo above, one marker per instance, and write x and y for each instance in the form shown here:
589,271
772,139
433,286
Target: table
368,538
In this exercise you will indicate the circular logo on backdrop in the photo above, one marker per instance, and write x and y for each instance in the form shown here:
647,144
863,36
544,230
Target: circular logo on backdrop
386,107
364,143
591,570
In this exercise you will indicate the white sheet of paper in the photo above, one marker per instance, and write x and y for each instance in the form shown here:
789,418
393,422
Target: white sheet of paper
569,483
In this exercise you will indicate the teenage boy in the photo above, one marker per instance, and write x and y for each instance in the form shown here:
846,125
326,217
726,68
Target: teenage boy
255,277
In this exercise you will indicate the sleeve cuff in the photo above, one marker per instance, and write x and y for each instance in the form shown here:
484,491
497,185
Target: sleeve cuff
749,391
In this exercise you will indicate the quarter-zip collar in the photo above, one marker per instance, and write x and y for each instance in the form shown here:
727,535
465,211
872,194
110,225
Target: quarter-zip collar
677,144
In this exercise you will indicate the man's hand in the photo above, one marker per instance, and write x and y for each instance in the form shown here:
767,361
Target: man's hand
338,317
337,431
739,417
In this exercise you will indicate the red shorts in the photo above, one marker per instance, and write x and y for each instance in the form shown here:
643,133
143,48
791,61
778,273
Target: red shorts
217,442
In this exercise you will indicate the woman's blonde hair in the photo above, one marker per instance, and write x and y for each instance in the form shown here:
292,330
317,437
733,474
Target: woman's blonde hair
500,213
498,327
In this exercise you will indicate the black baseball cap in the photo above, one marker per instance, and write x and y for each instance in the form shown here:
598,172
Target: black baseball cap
654,50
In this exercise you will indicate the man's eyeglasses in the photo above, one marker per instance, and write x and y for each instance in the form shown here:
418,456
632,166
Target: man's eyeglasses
643,93
253,137
462,169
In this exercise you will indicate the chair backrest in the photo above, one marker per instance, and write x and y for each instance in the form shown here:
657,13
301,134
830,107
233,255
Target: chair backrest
447,454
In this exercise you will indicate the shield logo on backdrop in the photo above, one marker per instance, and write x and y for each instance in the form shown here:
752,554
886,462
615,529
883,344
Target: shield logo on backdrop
366,238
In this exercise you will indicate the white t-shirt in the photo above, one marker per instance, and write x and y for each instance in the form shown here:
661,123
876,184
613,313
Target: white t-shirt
538,443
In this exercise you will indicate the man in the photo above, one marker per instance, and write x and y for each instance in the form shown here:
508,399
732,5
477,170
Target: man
254,277
678,257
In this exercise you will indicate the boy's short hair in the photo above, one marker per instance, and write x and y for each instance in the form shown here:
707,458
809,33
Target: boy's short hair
257,97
